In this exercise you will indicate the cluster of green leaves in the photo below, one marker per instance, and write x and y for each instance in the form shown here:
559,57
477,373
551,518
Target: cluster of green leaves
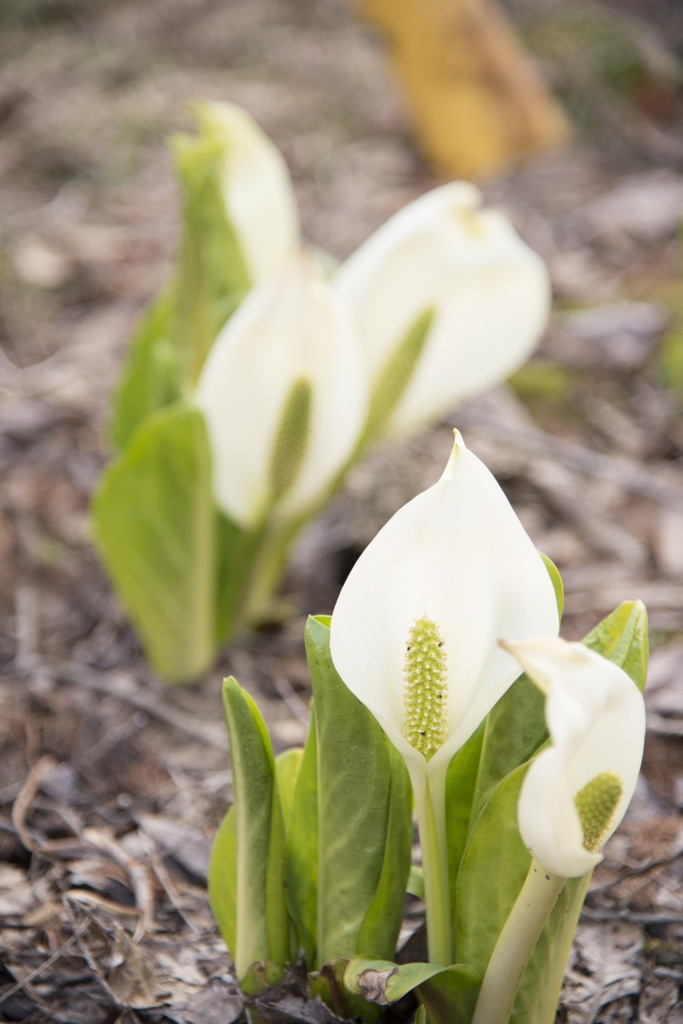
315,853
177,563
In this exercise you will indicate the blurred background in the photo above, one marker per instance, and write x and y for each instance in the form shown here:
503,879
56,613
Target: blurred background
587,439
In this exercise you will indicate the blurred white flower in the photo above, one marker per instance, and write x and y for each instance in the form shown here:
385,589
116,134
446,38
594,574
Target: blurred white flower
576,792
284,394
449,302
257,188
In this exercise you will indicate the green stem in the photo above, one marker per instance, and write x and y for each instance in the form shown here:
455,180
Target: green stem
430,803
515,944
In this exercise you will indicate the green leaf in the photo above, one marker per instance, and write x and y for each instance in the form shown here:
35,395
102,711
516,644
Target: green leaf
515,729
461,782
301,847
153,522
447,993
287,766
222,883
213,278
262,925
623,638
382,921
493,870
328,985
151,376
556,580
450,997
361,842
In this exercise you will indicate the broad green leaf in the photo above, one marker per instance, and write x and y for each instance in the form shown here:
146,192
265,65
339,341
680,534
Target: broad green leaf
262,925
153,522
151,377
382,922
355,783
493,870
223,880
447,993
556,580
450,997
212,278
301,847
287,766
515,729
460,787
623,638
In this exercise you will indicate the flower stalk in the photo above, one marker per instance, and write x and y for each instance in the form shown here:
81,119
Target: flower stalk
515,945
430,803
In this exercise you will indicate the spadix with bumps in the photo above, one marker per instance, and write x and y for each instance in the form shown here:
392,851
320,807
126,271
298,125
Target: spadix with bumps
425,688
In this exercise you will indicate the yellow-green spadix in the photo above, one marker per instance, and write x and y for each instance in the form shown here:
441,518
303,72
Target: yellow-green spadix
464,274
414,632
576,792
284,396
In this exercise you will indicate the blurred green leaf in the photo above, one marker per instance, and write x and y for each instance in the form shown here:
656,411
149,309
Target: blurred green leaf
153,521
152,373
212,277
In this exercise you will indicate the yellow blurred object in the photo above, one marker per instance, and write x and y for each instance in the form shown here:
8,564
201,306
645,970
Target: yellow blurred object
478,104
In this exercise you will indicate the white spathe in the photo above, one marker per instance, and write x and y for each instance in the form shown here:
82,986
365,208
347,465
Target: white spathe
292,326
490,292
596,719
458,554
257,189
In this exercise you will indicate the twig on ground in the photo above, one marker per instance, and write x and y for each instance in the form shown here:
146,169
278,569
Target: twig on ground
137,872
292,699
25,798
124,686
64,948
165,880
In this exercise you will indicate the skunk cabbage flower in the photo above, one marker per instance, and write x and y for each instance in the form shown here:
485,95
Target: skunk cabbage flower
576,792
449,302
257,188
414,632
284,397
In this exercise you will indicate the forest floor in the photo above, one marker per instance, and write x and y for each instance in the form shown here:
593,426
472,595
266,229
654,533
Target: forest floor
112,784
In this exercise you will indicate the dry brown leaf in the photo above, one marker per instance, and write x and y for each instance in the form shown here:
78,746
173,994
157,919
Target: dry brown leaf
605,965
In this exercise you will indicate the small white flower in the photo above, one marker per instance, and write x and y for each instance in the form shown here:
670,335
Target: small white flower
284,396
414,632
576,792
489,293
